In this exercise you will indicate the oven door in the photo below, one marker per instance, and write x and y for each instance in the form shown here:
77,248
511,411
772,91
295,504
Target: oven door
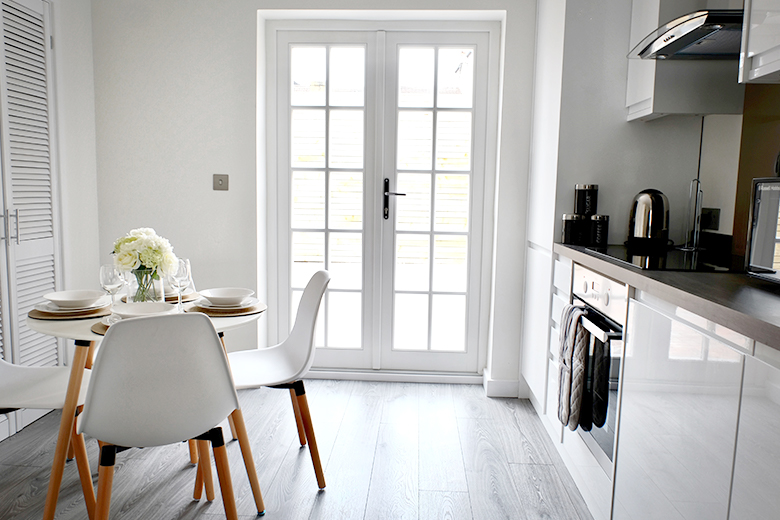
599,407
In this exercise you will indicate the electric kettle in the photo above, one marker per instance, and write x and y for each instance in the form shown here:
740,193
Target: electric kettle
648,225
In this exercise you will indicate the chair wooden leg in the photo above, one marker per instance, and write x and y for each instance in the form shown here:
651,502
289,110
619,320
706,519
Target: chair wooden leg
105,482
223,474
298,420
193,451
309,428
198,491
249,461
85,474
204,462
66,427
232,427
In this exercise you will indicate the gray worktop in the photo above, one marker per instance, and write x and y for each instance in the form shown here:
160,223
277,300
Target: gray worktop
740,302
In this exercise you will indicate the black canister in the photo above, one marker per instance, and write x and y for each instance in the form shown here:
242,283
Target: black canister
599,230
573,230
586,199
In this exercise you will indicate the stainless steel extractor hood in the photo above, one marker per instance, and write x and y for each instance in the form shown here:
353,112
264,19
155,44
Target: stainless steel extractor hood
713,34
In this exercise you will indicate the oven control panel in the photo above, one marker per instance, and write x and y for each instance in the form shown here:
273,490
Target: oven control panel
602,293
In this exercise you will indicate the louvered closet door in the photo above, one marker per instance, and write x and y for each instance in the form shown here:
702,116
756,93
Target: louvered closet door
27,171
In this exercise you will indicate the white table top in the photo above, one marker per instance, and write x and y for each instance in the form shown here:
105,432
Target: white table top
81,329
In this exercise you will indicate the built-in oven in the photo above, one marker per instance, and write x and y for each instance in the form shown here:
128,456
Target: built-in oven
606,302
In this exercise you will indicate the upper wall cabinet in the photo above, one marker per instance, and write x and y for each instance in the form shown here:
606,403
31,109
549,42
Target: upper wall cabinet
656,88
759,60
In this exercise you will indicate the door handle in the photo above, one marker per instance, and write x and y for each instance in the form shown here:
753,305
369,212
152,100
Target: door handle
387,194
16,223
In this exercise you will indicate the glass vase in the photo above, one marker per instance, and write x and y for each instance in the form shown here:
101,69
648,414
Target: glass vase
145,285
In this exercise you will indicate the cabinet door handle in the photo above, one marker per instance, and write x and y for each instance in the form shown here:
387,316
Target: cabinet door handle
16,225
387,194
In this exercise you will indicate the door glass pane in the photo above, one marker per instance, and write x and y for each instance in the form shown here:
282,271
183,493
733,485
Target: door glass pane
413,212
452,203
307,136
448,322
415,143
346,200
449,263
308,256
347,72
455,78
415,77
346,139
344,320
412,262
453,141
307,71
345,261
308,200
410,328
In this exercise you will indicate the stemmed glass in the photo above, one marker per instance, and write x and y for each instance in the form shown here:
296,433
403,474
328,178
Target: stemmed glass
112,281
180,278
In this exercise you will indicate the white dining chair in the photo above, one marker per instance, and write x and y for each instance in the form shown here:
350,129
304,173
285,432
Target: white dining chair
46,388
283,365
159,380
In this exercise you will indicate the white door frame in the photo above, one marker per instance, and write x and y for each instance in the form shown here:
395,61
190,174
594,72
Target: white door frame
271,25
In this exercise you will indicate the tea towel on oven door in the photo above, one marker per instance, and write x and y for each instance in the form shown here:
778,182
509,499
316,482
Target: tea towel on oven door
573,345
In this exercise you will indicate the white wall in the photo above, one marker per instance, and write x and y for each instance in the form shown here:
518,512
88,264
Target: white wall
597,145
175,89
75,110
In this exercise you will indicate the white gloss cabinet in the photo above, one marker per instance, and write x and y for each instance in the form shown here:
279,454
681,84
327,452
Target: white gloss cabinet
757,462
678,424
759,59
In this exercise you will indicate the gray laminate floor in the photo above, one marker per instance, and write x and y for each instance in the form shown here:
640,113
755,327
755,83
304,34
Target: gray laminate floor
390,450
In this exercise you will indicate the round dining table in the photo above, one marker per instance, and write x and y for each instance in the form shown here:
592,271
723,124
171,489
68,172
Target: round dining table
86,341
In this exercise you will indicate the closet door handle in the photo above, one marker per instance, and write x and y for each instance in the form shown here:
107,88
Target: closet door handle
16,225
387,194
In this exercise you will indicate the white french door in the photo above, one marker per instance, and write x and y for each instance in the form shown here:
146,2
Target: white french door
381,148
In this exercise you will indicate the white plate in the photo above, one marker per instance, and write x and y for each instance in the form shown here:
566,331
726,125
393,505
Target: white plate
54,309
139,309
227,296
248,302
74,300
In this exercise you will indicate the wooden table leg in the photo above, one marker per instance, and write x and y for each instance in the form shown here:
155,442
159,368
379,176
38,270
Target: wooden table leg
85,473
239,431
66,427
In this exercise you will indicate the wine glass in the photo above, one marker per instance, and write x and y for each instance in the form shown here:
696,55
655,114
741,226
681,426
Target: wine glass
112,281
179,278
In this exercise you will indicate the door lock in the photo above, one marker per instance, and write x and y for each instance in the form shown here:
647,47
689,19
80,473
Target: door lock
387,193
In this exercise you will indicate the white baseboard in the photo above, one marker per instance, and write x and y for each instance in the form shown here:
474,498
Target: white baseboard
503,387
397,377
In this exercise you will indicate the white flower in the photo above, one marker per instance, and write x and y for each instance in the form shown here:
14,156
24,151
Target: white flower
127,260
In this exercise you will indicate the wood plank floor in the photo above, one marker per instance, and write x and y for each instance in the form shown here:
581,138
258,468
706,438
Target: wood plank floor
390,450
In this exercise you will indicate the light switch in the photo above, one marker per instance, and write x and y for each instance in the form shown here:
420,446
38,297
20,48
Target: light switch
220,182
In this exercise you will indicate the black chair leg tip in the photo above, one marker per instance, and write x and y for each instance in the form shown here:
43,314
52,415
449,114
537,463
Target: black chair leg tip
68,460
261,513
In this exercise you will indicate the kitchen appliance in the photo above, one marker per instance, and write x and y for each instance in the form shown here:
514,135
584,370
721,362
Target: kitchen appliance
648,226
713,34
668,260
605,301
762,258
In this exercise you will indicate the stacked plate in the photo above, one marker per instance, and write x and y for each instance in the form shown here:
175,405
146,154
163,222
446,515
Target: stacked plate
72,304
227,301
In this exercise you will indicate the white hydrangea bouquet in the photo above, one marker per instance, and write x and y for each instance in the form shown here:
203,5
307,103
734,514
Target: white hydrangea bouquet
149,257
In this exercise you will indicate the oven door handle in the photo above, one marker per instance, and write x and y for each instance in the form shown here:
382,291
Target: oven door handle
598,332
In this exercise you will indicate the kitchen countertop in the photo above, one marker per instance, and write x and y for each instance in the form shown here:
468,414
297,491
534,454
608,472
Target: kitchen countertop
740,302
